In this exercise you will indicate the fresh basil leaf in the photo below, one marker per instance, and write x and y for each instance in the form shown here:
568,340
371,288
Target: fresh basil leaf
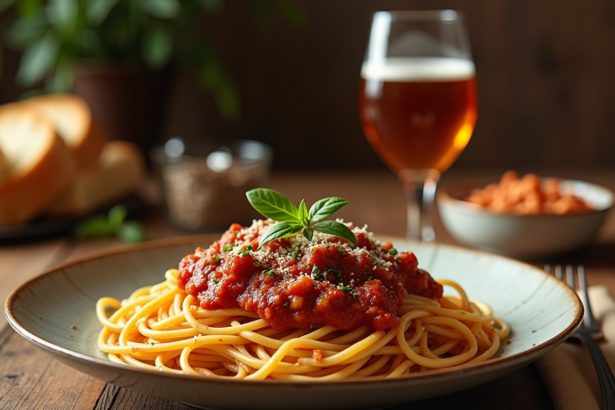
94,226
117,215
279,230
308,233
273,204
302,213
131,232
337,229
325,207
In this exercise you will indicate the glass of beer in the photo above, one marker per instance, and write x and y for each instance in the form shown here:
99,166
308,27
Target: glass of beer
417,101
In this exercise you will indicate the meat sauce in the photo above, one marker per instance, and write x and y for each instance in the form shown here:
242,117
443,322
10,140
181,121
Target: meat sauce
296,283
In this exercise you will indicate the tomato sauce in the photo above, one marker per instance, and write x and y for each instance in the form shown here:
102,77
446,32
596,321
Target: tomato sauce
296,283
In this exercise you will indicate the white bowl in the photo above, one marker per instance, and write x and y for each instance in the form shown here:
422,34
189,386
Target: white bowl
524,235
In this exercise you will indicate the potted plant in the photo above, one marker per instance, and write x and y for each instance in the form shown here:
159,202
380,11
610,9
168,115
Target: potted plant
120,54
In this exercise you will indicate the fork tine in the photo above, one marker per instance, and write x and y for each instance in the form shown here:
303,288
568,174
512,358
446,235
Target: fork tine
584,334
593,325
558,272
570,277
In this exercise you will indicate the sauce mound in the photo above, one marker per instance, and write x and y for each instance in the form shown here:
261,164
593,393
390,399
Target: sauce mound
296,283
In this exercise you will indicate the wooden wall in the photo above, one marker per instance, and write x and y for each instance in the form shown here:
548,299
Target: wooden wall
546,75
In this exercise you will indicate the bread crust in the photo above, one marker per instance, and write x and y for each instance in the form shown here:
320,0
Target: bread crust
119,170
85,149
23,194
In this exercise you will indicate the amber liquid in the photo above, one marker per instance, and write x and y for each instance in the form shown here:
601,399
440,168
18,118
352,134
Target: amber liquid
418,124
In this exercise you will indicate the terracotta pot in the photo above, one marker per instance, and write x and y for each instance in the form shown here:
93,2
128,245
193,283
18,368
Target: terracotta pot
129,102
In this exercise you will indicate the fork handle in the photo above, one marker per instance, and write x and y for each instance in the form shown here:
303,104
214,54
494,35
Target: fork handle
603,370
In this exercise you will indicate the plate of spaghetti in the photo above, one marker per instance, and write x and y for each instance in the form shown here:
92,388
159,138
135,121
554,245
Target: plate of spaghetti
255,319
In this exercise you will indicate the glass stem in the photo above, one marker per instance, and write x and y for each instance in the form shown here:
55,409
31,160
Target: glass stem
420,188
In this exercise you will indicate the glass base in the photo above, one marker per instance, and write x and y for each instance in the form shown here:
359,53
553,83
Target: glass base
420,187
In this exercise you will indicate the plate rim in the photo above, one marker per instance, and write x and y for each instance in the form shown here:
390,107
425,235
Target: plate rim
520,358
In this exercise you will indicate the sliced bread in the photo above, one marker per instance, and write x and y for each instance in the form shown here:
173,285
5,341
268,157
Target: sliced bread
118,171
72,119
37,165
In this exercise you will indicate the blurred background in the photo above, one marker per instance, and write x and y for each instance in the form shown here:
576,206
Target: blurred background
287,72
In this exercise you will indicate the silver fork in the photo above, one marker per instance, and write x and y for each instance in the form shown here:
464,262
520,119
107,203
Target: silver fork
575,279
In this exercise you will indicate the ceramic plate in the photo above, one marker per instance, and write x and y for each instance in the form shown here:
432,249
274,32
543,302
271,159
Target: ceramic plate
56,311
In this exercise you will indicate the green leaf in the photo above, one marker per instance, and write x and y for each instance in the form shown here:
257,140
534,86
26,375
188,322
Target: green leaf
325,207
211,4
98,10
30,7
302,213
308,233
337,229
279,230
117,215
94,226
62,13
164,9
212,76
274,205
157,47
210,70
61,80
25,30
227,99
33,92
90,42
37,61
131,232
5,4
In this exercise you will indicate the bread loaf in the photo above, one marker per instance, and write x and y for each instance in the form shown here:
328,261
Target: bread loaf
118,171
72,119
37,165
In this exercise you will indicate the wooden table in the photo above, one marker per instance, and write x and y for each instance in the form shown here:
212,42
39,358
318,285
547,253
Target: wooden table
31,379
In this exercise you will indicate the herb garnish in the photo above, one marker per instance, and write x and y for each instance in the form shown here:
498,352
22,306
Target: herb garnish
317,274
344,288
228,247
292,219
114,223
335,273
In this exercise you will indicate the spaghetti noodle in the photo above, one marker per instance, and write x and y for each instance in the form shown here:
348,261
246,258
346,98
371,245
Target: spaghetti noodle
172,327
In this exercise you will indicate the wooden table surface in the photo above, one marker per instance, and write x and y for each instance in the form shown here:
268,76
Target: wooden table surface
31,379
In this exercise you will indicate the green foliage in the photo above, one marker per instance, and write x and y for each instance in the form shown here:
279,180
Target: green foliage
292,219
54,34
114,223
